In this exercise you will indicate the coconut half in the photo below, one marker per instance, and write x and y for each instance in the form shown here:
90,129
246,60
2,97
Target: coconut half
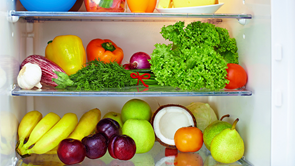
168,119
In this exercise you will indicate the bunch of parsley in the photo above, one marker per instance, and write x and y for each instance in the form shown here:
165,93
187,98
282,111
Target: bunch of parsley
197,57
97,76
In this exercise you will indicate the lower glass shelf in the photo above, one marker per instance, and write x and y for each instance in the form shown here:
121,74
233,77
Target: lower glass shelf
130,91
155,157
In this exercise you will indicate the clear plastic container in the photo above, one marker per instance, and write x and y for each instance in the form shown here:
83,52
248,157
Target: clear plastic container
105,6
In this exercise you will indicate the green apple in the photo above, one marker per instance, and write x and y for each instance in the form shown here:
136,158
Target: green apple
136,109
115,116
142,132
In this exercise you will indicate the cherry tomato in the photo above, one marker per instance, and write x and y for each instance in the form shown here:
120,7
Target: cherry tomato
188,139
236,75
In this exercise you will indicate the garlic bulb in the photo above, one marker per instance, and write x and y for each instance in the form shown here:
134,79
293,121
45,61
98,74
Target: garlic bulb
29,76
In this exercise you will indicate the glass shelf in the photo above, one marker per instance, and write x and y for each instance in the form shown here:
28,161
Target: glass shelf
129,91
91,16
154,157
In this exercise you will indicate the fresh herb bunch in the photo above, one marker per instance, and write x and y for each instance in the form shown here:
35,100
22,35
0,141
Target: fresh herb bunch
97,76
197,57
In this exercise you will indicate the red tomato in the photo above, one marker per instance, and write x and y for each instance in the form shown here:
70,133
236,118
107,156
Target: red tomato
236,75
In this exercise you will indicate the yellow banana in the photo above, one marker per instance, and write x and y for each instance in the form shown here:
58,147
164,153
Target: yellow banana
61,130
44,125
52,151
87,124
27,124
85,127
41,160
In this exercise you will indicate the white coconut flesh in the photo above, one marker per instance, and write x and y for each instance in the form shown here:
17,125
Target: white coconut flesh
168,120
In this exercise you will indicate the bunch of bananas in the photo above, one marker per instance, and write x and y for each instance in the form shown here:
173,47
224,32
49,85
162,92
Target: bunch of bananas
40,135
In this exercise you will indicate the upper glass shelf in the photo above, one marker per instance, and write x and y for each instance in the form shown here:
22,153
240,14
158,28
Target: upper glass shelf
129,91
50,16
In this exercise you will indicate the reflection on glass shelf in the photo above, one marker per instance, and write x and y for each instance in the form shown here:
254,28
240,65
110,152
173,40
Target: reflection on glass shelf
121,15
155,157
129,91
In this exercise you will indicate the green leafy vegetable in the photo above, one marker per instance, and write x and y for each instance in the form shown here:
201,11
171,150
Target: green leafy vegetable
63,80
106,3
197,57
98,76
203,113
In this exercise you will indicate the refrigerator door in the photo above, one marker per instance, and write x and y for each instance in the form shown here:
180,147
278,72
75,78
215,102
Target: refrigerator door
283,80
11,108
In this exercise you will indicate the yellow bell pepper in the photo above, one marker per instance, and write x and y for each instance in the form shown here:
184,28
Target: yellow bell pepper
68,52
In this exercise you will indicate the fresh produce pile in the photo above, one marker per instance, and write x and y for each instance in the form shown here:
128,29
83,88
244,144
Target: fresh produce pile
201,56
132,131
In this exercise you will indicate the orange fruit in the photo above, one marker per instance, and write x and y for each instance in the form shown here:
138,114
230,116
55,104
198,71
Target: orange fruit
188,139
142,6
138,6
151,6
188,159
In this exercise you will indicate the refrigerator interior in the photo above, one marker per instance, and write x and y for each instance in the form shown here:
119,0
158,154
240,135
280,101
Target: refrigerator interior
21,38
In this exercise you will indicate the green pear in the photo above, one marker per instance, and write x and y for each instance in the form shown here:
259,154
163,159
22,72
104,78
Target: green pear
227,146
213,129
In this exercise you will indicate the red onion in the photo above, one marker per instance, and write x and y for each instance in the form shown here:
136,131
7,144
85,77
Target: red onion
139,60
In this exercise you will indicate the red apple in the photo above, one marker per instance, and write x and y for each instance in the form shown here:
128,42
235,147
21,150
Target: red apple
121,147
96,145
108,127
71,151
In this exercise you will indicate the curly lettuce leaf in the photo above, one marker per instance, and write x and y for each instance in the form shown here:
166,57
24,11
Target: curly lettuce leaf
202,68
197,57
227,47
